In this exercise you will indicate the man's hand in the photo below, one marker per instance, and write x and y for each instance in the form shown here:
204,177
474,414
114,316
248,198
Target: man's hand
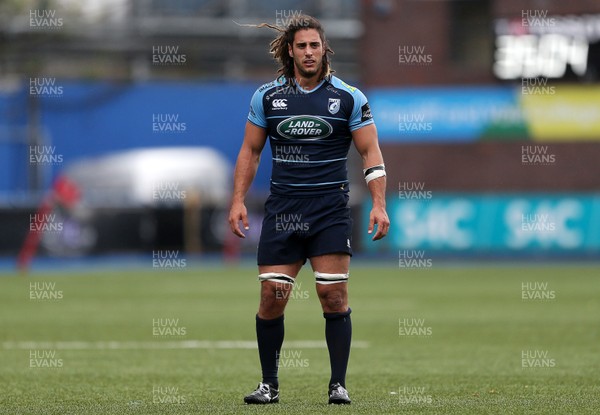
238,213
379,217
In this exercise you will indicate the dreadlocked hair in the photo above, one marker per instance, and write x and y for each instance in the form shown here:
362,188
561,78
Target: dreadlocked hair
279,46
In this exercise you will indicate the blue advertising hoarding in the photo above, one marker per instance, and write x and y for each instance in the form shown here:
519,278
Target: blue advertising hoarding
491,223
468,114
443,114
92,119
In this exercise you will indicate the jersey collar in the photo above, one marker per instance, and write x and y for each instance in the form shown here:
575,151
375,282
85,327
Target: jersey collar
306,91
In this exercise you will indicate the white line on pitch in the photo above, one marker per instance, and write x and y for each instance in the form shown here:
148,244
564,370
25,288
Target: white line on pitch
167,344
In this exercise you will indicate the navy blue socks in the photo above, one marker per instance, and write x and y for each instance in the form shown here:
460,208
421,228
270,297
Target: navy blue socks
338,334
269,334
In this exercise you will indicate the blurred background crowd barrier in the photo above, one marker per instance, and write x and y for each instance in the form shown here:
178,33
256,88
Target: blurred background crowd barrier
488,115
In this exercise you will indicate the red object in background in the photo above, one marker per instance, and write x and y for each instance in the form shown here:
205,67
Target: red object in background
64,192
232,248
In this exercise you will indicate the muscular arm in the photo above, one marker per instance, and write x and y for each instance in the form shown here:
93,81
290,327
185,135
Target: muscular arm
245,170
365,141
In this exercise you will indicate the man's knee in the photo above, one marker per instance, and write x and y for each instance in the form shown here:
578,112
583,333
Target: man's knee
274,292
333,297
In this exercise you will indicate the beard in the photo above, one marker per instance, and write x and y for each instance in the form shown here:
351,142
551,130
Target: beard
310,73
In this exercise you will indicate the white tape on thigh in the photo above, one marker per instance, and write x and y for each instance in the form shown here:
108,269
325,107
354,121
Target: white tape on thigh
324,278
276,277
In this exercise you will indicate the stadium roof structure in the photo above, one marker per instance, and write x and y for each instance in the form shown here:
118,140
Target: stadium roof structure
119,42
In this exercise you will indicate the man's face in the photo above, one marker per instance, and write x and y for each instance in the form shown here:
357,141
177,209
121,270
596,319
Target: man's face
307,52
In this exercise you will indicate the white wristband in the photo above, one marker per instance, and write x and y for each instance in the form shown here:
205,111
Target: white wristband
374,172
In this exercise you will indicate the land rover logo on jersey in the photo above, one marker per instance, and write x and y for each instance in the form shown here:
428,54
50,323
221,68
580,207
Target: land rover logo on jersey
334,105
304,127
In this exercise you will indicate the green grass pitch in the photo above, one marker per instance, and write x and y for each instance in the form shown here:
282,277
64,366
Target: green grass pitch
443,340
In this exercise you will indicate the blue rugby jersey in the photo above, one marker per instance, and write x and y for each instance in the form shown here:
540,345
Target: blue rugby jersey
309,133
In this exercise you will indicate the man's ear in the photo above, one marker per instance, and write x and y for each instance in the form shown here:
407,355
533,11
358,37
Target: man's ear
290,50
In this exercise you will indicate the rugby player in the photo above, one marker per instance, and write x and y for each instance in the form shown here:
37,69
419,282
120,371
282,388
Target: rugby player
310,117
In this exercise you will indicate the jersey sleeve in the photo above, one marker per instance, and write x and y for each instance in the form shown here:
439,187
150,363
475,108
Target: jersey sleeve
361,112
257,113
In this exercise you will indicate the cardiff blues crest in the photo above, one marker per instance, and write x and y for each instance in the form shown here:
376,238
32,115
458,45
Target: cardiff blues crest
334,105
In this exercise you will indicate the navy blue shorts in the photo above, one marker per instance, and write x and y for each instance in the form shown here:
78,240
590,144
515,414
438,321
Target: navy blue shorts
301,228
